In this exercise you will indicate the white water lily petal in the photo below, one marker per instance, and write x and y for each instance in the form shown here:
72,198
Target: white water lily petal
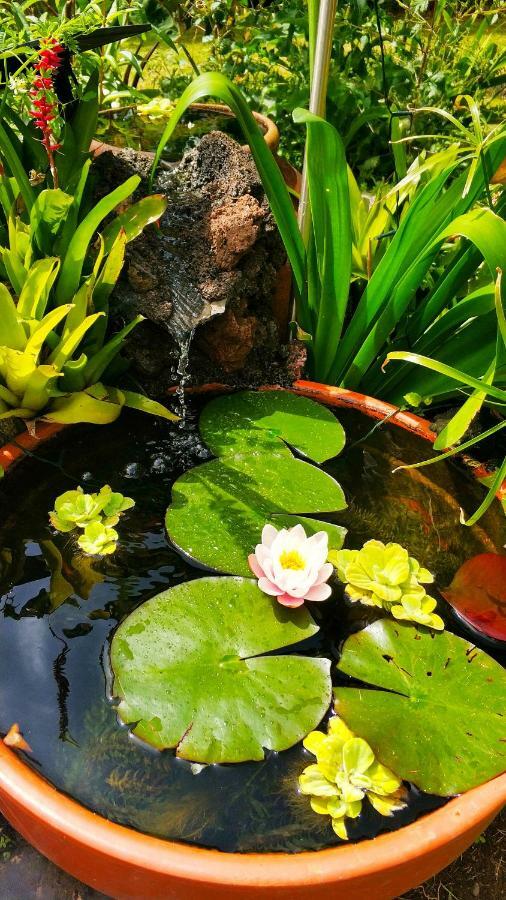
292,566
318,593
268,535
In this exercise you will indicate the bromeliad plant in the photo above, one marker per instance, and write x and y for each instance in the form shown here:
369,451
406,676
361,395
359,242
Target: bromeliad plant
52,363
60,264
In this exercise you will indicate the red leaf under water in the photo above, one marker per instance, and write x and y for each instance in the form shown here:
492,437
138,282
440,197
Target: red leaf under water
478,594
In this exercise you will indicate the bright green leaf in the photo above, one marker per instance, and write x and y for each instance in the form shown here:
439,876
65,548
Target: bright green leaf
218,509
190,674
437,716
264,420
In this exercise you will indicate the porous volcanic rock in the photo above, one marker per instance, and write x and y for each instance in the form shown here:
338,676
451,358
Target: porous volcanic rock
211,266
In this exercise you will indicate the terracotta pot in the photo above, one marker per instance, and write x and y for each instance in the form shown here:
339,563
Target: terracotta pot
268,127
126,864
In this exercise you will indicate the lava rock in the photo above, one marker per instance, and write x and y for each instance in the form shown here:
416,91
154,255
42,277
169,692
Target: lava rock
213,267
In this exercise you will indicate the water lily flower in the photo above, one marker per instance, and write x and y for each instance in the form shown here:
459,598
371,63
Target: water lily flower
345,774
291,566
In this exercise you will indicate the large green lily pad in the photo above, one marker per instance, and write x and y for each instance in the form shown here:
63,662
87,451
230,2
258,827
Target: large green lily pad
218,509
439,718
189,672
268,420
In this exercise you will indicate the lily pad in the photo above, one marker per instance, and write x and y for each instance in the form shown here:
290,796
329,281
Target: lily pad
439,718
189,672
218,509
268,420
478,594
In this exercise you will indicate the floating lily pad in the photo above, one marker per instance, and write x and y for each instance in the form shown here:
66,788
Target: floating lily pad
478,594
268,420
218,509
189,672
439,719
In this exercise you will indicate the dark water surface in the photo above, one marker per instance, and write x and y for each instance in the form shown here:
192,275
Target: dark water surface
58,610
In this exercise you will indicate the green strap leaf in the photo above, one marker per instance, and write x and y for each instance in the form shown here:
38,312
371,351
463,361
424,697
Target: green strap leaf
134,219
34,295
139,401
66,347
214,84
331,221
460,422
98,363
72,267
8,152
12,333
49,322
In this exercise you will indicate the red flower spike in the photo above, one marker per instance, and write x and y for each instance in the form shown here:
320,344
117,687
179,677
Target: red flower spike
44,101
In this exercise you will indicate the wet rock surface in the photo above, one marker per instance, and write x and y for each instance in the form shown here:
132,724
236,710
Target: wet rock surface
211,267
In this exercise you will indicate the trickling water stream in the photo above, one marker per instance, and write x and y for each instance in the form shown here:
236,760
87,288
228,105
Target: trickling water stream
182,371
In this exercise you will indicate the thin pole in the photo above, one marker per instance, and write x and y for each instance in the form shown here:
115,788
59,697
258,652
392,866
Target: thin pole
318,97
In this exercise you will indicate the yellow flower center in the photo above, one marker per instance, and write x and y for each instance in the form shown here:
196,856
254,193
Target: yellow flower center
291,559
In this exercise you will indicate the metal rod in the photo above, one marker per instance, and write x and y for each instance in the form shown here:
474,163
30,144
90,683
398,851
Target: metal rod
318,97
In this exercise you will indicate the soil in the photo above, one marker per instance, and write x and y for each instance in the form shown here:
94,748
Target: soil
478,873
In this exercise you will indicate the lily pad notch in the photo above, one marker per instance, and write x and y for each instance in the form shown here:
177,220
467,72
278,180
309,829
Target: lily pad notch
191,673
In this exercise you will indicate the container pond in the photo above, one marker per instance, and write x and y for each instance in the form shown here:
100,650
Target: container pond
63,608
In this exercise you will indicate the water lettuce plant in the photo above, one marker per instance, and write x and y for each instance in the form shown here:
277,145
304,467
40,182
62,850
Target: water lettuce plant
98,539
94,514
345,774
384,575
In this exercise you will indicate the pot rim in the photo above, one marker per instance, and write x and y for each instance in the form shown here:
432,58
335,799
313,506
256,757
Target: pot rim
262,870
269,128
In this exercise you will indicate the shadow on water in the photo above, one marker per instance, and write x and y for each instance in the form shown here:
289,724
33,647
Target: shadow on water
58,610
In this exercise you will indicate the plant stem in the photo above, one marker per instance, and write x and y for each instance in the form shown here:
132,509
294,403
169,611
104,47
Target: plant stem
317,102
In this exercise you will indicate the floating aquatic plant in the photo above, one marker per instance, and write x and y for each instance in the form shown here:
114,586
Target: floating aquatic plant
98,539
384,575
345,774
95,514
291,566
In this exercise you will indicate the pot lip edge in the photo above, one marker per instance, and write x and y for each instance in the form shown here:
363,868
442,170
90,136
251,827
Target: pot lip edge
26,788
270,135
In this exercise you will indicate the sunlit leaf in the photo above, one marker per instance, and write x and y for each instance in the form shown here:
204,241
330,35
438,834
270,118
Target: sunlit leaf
218,509
266,420
190,672
437,714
